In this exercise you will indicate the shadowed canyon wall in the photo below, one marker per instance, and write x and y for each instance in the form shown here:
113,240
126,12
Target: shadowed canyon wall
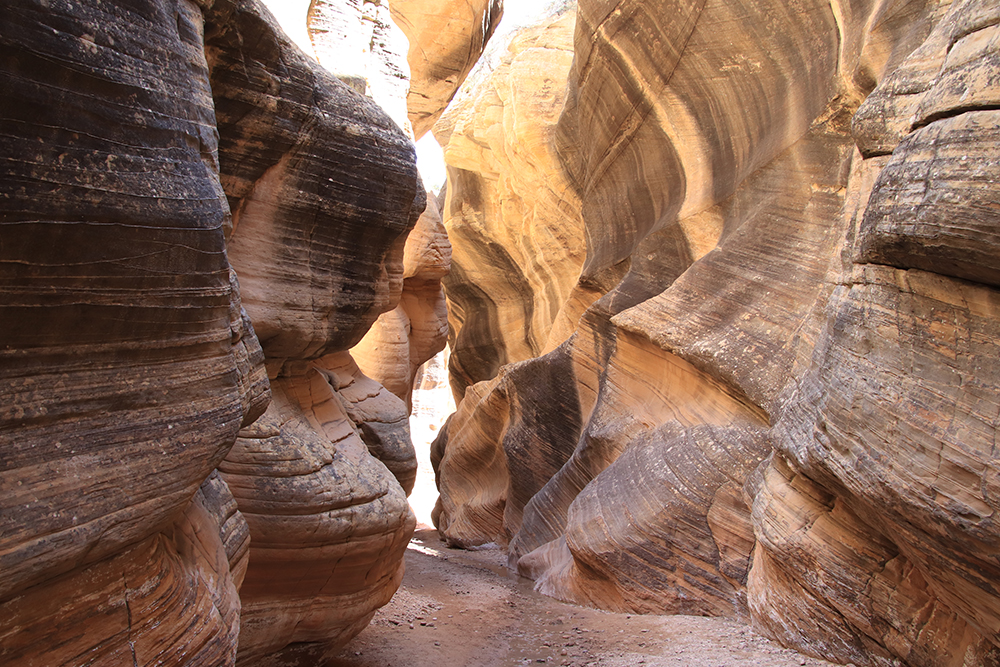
780,400
128,367
179,487
411,334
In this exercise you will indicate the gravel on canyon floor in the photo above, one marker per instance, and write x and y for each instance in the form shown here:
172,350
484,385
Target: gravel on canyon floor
463,609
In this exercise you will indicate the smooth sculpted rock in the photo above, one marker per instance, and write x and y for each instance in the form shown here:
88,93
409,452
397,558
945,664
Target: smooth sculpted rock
782,404
171,599
511,214
126,363
446,40
324,191
410,56
403,339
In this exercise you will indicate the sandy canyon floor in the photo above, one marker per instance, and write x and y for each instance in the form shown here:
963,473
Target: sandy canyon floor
461,609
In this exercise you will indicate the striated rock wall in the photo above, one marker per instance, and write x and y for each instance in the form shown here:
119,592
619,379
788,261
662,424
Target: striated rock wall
127,366
323,197
892,418
403,339
511,214
362,45
146,147
782,404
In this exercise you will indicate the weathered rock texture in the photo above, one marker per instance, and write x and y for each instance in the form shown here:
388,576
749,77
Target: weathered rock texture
446,39
410,56
359,42
135,138
127,366
783,404
323,195
510,210
406,337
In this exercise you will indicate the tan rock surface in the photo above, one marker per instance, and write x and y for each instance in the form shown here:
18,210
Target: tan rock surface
824,462
360,43
378,415
406,337
170,599
890,419
511,214
324,190
446,39
328,521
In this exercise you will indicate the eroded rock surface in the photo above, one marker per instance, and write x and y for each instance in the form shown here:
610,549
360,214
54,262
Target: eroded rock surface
893,418
323,196
782,403
128,365
137,139
446,39
410,56
510,211
403,339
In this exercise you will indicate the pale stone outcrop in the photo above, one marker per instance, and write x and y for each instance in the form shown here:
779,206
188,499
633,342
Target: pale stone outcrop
362,45
410,56
511,213
782,404
359,42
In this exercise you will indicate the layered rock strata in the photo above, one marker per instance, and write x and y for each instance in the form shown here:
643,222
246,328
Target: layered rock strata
137,138
128,365
323,197
410,56
782,403
510,211
891,421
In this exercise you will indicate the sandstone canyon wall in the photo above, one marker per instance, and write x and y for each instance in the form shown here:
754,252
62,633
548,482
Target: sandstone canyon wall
511,212
416,330
362,45
781,403
446,40
322,198
148,516
410,56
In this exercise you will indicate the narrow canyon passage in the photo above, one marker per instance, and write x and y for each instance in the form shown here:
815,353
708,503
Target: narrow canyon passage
460,608
713,289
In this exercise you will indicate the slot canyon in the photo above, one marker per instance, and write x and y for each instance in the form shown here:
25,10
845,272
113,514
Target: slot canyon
712,289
